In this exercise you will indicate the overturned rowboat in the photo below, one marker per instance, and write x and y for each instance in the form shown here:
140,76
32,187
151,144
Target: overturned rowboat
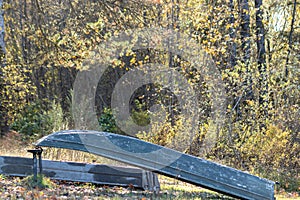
164,161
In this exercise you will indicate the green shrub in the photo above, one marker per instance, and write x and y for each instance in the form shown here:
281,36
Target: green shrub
32,121
139,115
41,182
107,122
56,118
35,121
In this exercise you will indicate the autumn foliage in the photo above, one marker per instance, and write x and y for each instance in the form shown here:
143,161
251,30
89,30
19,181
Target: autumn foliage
254,44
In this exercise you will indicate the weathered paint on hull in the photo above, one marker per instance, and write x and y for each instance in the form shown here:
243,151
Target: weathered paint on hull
164,161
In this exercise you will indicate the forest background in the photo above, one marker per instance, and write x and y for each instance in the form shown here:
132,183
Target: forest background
254,44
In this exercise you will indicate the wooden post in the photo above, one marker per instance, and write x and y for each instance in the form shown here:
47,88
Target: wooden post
36,152
40,160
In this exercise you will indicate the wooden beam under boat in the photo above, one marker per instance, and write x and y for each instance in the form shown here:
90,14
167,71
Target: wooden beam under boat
164,161
82,172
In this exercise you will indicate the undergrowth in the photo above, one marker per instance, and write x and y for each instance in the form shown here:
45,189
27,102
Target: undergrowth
41,182
2,177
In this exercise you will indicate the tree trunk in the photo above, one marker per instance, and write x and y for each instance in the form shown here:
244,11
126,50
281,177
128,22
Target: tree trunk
261,58
232,33
2,44
3,114
245,37
290,39
245,30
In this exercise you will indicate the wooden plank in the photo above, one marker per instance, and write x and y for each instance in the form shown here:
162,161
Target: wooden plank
165,161
82,172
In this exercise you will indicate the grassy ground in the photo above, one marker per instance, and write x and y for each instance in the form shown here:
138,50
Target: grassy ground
16,188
